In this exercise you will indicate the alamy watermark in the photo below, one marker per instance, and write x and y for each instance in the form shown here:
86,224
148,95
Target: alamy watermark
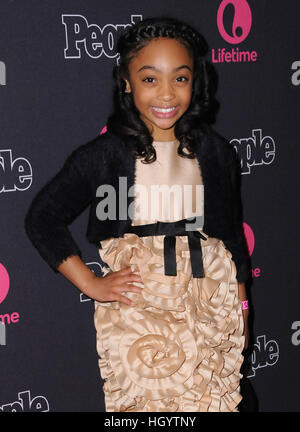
156,202
2,73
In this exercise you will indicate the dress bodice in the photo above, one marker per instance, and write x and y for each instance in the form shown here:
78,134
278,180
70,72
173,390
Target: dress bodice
169,189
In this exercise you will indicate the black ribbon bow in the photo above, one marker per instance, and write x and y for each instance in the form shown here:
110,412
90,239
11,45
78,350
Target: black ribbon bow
171,230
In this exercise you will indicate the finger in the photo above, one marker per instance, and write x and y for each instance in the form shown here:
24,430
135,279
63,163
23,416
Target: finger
124,271
130,269
131,278
130,288
123,299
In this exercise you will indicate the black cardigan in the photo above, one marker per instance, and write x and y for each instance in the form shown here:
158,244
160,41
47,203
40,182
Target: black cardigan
102,161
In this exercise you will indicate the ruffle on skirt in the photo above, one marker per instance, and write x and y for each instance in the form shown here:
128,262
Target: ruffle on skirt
179,347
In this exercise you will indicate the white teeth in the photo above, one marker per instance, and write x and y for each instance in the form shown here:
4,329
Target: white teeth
163,110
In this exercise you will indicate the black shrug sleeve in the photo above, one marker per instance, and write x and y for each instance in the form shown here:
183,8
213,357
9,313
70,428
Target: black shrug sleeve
56,206
238,246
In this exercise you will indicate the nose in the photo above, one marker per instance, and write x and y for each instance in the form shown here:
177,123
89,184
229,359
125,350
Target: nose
166,92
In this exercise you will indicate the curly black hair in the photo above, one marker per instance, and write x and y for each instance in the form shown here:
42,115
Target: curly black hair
125,120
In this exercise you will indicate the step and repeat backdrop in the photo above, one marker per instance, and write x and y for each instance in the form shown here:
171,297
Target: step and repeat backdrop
56,62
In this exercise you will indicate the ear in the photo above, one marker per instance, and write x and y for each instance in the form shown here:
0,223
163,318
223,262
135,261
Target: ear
128,86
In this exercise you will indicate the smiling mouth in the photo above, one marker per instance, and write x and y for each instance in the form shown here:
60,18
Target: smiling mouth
165,113
163,110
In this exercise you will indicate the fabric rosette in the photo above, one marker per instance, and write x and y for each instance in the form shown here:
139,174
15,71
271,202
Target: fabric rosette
148,357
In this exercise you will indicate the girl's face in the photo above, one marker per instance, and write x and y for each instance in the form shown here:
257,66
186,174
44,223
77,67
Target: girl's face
160,79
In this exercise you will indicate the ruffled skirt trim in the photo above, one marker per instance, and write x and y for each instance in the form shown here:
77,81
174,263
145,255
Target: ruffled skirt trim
179,347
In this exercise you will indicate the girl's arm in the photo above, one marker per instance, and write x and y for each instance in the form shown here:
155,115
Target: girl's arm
56,206
46,223
242,291
238,246
111,287
78,273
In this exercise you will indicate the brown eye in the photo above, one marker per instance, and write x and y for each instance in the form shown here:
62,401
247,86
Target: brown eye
182,79
149,80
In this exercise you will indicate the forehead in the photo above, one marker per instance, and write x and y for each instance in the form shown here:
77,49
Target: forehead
163,53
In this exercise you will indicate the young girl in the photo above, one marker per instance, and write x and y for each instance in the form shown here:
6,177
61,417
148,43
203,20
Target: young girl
168,311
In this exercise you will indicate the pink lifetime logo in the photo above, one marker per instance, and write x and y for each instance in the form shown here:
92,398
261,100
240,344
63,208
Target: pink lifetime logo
241,24
4,283
104,130
249,237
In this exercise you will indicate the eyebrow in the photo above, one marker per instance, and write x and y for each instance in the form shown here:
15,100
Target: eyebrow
158,70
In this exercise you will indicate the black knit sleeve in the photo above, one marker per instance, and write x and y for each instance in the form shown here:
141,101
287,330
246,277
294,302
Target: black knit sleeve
56,206
238,246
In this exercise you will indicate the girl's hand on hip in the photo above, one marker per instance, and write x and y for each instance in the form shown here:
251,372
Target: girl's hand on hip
112,286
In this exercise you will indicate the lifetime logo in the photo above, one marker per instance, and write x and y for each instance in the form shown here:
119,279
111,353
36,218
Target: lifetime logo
241,22
91,38
26,404
4,283
250,239
234,15
6,318
4,288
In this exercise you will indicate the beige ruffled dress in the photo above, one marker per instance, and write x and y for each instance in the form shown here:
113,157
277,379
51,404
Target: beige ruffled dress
179,347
